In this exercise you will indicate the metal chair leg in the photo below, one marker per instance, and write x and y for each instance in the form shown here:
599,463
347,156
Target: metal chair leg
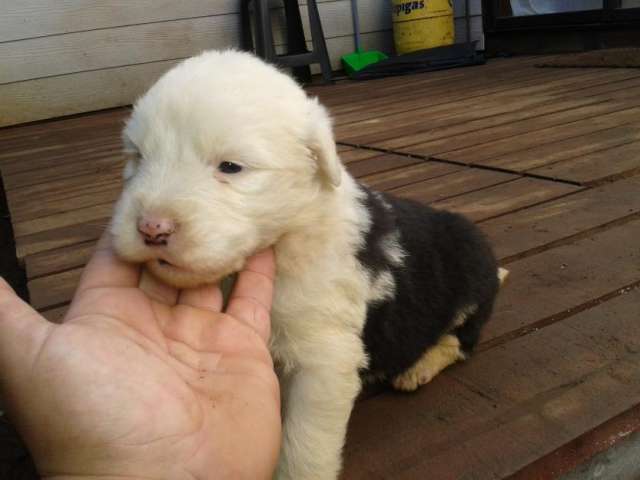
317,38
245,18
263,31
296,56
296,43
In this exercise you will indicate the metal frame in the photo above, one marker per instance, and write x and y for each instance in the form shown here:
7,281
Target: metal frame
298,57
608,16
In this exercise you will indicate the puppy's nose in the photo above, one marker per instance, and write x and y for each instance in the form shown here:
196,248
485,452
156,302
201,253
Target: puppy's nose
156,230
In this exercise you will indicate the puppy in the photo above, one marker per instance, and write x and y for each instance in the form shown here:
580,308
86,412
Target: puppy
229,156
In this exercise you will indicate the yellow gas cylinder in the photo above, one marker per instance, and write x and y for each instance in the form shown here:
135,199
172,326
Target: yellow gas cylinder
422,24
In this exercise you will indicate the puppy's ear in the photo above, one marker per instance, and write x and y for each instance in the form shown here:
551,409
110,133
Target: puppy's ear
322,144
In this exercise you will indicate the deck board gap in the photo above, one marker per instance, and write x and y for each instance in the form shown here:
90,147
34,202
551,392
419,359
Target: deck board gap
530,205
568,239
436,159
557,317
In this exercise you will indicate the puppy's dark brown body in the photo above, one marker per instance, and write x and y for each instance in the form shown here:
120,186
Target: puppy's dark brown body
446,284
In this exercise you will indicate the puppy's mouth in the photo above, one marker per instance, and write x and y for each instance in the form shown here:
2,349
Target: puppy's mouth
181,277
166,264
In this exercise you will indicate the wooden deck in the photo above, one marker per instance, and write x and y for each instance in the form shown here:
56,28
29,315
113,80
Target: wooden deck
546,160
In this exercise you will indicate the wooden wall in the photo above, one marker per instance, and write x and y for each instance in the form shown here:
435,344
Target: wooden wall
59,57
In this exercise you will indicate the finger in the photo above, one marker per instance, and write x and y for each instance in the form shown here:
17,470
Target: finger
252,296
22,332
204,331
157,290
207,297
106,270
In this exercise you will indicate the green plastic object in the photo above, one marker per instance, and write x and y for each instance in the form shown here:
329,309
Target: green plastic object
356,61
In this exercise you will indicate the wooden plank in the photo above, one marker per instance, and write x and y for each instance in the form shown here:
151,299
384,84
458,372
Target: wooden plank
598,166
52,290
457,183
58,260
62,154
505,197
570,215
494,106
345,98
62,188
393,98
99,163
515,403
385,161
567,381
387,181
60,237
449,119
504,128
380,426
566,277
355,154
61,220
482,100
43,134
40,211
612,115
348,95
592,145
479,146
587,454
29,139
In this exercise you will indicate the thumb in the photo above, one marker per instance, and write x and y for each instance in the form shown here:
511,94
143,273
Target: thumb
22,333
252,294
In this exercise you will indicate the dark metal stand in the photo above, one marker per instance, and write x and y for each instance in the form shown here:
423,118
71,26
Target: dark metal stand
298,56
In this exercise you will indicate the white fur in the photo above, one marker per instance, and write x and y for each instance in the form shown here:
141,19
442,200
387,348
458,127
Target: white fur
503,273
292,193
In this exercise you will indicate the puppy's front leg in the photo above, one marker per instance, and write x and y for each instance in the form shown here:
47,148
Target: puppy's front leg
318,401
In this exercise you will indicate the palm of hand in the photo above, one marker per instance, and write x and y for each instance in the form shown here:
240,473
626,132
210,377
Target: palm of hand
129,378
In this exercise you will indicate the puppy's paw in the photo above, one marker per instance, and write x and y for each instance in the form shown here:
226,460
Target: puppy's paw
411,380
503,273
446,352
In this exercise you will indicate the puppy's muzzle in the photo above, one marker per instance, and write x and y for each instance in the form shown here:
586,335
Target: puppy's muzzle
155,230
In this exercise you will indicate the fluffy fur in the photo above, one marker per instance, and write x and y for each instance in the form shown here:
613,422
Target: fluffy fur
368,286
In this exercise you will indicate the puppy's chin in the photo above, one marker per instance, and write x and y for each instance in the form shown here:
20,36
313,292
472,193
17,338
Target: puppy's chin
183,278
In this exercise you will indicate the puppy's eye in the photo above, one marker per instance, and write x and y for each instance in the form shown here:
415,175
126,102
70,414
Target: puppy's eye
229,167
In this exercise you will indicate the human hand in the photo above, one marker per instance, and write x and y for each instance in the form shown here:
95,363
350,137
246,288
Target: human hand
145,382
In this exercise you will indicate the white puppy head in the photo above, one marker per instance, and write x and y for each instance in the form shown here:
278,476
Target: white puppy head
226,152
